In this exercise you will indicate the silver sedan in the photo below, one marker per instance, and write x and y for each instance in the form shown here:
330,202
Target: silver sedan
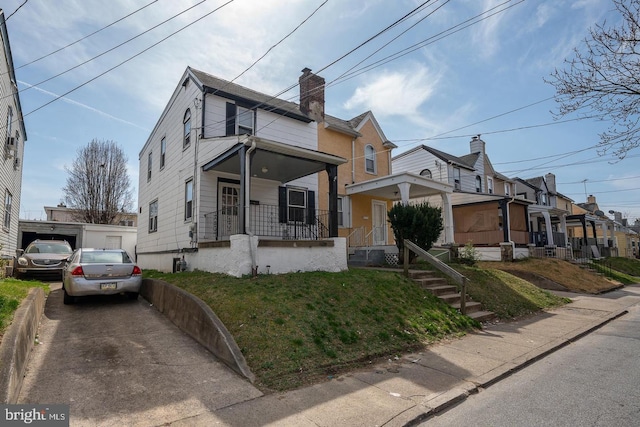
90,271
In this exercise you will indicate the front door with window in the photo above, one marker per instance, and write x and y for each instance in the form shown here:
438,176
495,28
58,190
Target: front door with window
229,203
379,218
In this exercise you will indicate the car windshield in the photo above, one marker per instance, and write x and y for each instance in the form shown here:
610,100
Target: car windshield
48,248
105,257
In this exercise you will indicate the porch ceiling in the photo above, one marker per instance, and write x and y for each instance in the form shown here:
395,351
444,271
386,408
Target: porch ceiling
274,161
387,186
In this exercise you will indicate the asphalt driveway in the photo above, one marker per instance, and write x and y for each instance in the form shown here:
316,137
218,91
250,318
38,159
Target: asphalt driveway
119,362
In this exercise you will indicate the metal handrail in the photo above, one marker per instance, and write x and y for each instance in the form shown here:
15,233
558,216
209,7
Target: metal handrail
444,268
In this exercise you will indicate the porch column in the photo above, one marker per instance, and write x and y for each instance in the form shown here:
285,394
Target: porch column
332,172
605,240
404,192
447,211
584,231
563,228
548,229
595,233
505,219
244,193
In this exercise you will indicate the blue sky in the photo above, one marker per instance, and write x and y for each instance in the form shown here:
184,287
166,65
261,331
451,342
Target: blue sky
484,79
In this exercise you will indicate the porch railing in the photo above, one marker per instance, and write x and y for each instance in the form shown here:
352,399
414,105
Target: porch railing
287,223
539,238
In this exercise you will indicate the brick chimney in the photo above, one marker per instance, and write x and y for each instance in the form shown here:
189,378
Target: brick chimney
591,199
551,182
312,95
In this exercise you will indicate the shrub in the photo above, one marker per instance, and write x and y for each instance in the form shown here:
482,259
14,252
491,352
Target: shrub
420,223
468,254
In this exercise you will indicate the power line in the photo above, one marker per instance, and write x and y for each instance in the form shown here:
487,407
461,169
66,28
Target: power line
129,59
221,123
87,36
19,7
602,180
114,48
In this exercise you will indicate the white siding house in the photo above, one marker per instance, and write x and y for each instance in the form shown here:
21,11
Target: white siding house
13,136
228,177
484,210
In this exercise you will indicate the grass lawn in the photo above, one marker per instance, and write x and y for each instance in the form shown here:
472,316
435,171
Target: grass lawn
12,292
506,295
295,329
627,266
562,272
300,328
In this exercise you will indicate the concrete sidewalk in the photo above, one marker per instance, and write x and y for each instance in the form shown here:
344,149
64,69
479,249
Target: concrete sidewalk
409,389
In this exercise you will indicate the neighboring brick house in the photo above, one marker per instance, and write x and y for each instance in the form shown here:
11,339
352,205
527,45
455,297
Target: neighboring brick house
228,183
14,137
485,209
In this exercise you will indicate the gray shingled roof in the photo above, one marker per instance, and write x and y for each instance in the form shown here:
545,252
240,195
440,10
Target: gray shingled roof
341,125
449,158
227,89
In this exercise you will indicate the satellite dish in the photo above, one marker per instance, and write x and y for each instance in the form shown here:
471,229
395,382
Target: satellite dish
599,212
612,212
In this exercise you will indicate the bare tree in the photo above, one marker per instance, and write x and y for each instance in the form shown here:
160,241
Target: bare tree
603,80
98,186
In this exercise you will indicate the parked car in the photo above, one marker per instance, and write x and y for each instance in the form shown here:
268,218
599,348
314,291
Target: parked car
42,257
91,271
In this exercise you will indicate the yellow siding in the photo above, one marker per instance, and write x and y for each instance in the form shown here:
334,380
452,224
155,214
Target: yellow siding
353,171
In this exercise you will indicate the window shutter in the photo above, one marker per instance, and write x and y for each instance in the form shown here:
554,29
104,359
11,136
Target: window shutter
282,204
311,207
231,119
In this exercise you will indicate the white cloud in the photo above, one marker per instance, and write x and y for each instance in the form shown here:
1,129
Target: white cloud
392,93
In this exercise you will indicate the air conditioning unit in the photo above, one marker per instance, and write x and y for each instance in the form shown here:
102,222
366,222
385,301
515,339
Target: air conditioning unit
16,163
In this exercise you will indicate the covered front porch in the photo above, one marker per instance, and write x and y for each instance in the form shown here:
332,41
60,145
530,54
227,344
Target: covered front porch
584,239
403,188
259,192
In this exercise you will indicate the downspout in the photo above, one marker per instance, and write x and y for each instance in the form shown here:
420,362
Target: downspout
247,203
353,162
513,245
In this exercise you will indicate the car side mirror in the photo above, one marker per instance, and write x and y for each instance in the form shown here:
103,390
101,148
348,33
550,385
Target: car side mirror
19,252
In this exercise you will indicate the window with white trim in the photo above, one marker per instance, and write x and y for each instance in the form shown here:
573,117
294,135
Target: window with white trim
186,128
296,204
9,121
426,173
245,121
149,165
489,185
478,184
163,151
8,201
340,212
370,159
188,200
507,189
153,216
456,178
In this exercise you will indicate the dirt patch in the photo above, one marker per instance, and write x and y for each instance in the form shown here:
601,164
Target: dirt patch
539,281
564,273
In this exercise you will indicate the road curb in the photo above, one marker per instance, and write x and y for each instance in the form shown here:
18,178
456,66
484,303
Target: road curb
455,396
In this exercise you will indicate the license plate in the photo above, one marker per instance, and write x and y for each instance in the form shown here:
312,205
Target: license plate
108,285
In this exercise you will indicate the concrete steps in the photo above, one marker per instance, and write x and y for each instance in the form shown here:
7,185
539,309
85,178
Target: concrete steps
450,295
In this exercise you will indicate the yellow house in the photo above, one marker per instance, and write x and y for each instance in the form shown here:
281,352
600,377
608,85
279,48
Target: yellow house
362,218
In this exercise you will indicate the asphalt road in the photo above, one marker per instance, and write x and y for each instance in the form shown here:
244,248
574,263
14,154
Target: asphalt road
592,382
119,362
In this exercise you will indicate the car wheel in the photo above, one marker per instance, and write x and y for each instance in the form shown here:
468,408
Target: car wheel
132,295
67,299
